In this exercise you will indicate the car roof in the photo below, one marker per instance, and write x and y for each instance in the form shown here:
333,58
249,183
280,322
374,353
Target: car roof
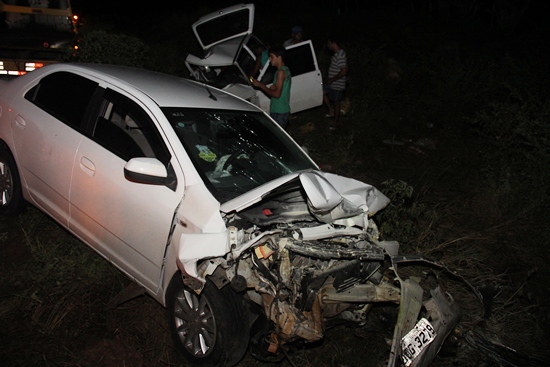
165,90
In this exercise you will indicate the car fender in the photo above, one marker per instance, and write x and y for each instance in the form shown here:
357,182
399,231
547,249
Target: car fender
196,234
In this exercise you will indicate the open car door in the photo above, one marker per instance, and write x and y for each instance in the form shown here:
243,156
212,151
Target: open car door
306,90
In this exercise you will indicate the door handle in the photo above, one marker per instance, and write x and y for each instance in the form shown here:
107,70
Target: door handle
87,166
20,121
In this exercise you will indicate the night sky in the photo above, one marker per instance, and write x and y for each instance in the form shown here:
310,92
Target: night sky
538,11
275,19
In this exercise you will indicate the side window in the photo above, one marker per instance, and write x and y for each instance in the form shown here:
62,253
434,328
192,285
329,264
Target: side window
300,59
126,129
63,95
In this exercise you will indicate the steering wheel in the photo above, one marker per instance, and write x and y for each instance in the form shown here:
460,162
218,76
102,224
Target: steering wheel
232,159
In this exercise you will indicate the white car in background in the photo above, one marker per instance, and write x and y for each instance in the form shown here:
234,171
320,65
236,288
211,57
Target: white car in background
201,199
229,54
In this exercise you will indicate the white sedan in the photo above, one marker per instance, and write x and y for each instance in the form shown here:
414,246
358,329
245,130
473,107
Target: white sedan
208,205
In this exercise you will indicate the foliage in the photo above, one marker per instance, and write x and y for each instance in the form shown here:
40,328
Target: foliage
503,99
516,130
98,46
400,219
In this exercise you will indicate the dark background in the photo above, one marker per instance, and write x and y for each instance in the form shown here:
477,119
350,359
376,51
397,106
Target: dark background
492,27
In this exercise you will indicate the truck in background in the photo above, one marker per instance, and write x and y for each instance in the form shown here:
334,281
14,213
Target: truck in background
34,33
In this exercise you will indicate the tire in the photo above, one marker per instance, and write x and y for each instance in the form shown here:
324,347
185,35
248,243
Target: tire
11,196
210,329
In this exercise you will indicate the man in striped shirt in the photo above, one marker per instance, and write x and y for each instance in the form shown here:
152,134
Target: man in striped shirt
335,85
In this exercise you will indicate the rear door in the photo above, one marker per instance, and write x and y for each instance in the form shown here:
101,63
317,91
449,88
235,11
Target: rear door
306,90
47,130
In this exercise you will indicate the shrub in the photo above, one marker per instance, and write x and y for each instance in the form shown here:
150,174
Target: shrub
98,46
517,135
399,220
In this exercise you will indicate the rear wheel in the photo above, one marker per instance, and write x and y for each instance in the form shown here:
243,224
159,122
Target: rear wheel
11,197
210,329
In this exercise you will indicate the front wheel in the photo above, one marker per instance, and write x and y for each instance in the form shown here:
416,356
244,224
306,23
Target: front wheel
11,197
210,329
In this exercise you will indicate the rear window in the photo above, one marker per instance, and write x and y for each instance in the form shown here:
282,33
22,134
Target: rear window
223,27
64,95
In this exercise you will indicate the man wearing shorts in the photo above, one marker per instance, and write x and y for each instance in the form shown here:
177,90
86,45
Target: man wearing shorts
334,86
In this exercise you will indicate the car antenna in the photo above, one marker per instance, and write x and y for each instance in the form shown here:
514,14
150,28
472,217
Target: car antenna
211,96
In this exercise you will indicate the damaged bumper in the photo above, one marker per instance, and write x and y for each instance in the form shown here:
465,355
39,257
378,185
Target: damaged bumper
304,250
411,344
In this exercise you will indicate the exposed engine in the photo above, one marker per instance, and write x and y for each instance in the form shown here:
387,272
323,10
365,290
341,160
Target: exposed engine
300,283
305,265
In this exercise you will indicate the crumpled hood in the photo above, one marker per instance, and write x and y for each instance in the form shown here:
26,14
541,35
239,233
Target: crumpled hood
330,197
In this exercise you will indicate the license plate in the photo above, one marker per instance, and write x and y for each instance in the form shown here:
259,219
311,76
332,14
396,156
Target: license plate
416,340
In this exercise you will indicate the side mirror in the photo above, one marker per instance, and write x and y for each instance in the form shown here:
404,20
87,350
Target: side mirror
146,170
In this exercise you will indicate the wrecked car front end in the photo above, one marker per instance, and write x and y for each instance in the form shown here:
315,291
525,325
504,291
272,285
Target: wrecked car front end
305,250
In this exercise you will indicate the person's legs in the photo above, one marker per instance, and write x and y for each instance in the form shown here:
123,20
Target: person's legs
330,109
326,100
335,97
336,112
281,118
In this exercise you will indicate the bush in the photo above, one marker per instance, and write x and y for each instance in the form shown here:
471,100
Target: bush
517,157
98,46
400,219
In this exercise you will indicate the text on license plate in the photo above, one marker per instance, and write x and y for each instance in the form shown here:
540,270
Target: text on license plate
416,340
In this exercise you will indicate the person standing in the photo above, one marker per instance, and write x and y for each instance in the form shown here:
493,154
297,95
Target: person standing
297,36
262,57
334,86
279,91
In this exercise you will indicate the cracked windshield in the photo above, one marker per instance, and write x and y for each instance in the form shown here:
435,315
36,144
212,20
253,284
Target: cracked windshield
235,151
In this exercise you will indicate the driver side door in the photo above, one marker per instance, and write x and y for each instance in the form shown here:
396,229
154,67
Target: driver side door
128,222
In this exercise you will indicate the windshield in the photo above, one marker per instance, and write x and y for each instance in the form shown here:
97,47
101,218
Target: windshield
236,151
